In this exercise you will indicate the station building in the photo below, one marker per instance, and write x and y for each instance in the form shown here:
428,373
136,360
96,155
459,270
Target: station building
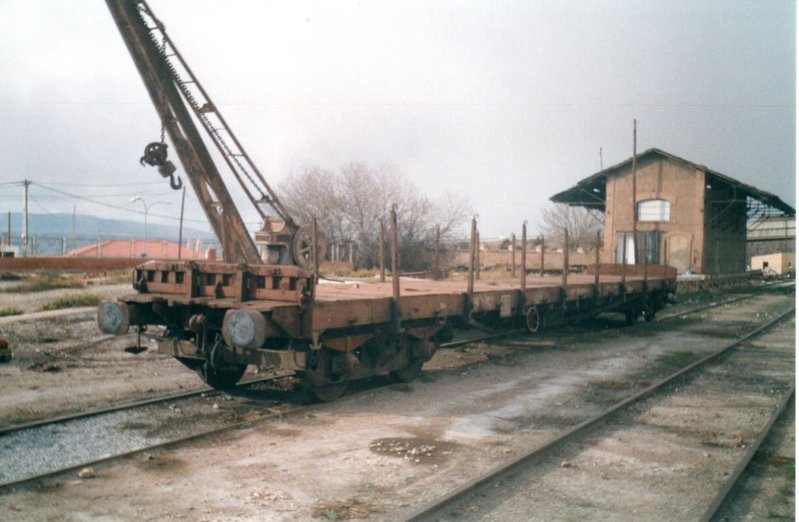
687,215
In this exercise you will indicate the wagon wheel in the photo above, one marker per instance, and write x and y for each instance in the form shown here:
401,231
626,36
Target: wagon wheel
327,392
302,246
220,378
532,319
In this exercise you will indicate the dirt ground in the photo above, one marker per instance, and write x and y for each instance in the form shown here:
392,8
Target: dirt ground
371,455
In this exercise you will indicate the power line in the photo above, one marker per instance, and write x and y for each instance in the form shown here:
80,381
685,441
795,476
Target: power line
116,207
60,196
39,204
64,184
88,199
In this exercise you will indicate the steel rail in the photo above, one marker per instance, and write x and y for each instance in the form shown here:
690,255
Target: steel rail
726,489
166,444
161,445
5,430
515,464
756,292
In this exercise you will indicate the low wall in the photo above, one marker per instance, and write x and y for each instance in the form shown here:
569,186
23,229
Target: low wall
633,270
694,283
553,261
68,264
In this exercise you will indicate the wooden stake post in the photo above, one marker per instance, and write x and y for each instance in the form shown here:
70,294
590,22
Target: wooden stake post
523,282
382,251
513,256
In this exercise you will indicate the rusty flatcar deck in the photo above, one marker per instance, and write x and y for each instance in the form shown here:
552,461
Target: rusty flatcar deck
341,305
288,292
334,291
220,317
306,312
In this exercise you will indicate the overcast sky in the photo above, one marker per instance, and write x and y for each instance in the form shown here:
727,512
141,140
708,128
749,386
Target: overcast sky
504,102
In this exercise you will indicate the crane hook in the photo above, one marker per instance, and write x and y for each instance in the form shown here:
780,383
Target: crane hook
155,154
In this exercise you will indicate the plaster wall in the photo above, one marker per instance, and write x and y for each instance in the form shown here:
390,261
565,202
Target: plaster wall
681,237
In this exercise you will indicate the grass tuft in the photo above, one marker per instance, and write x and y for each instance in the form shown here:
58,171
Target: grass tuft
24,415
676,359
5,312
71,301
44,282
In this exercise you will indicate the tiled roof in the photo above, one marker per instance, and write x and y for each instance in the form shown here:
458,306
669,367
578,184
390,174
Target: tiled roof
156,249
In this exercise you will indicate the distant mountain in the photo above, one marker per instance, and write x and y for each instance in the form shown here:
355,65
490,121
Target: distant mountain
52,230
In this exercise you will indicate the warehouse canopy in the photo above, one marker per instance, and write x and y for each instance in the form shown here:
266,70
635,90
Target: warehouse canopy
590,192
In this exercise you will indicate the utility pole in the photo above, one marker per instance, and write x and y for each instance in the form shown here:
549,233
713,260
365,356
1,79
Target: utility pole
25,184
635,193
74,227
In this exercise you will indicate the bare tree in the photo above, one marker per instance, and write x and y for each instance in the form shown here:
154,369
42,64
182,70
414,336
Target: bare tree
581,223
350,203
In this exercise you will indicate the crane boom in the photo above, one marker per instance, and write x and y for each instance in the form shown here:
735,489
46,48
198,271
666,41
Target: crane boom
174,90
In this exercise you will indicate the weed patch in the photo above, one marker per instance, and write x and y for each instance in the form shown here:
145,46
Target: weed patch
23,416
675,359
349,509
44,282
71,301
5,312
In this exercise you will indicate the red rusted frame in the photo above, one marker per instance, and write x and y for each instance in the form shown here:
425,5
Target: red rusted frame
192,280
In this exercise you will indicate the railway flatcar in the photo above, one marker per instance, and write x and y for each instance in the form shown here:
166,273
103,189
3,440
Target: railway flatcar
217,318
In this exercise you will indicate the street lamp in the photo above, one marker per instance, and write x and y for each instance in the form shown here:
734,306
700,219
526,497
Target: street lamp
146,210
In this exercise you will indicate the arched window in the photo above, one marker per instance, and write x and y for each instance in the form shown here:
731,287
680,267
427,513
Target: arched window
654,210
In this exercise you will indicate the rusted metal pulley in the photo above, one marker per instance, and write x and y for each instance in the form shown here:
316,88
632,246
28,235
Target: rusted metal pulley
302,247
155,155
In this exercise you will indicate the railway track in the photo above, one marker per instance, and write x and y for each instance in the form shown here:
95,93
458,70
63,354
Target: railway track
4,430
486,496
87,429
174,398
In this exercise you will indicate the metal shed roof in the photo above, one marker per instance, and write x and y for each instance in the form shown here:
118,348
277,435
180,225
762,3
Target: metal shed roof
590,192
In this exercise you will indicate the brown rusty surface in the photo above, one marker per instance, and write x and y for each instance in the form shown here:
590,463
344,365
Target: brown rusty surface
363,303
68,264
360,290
